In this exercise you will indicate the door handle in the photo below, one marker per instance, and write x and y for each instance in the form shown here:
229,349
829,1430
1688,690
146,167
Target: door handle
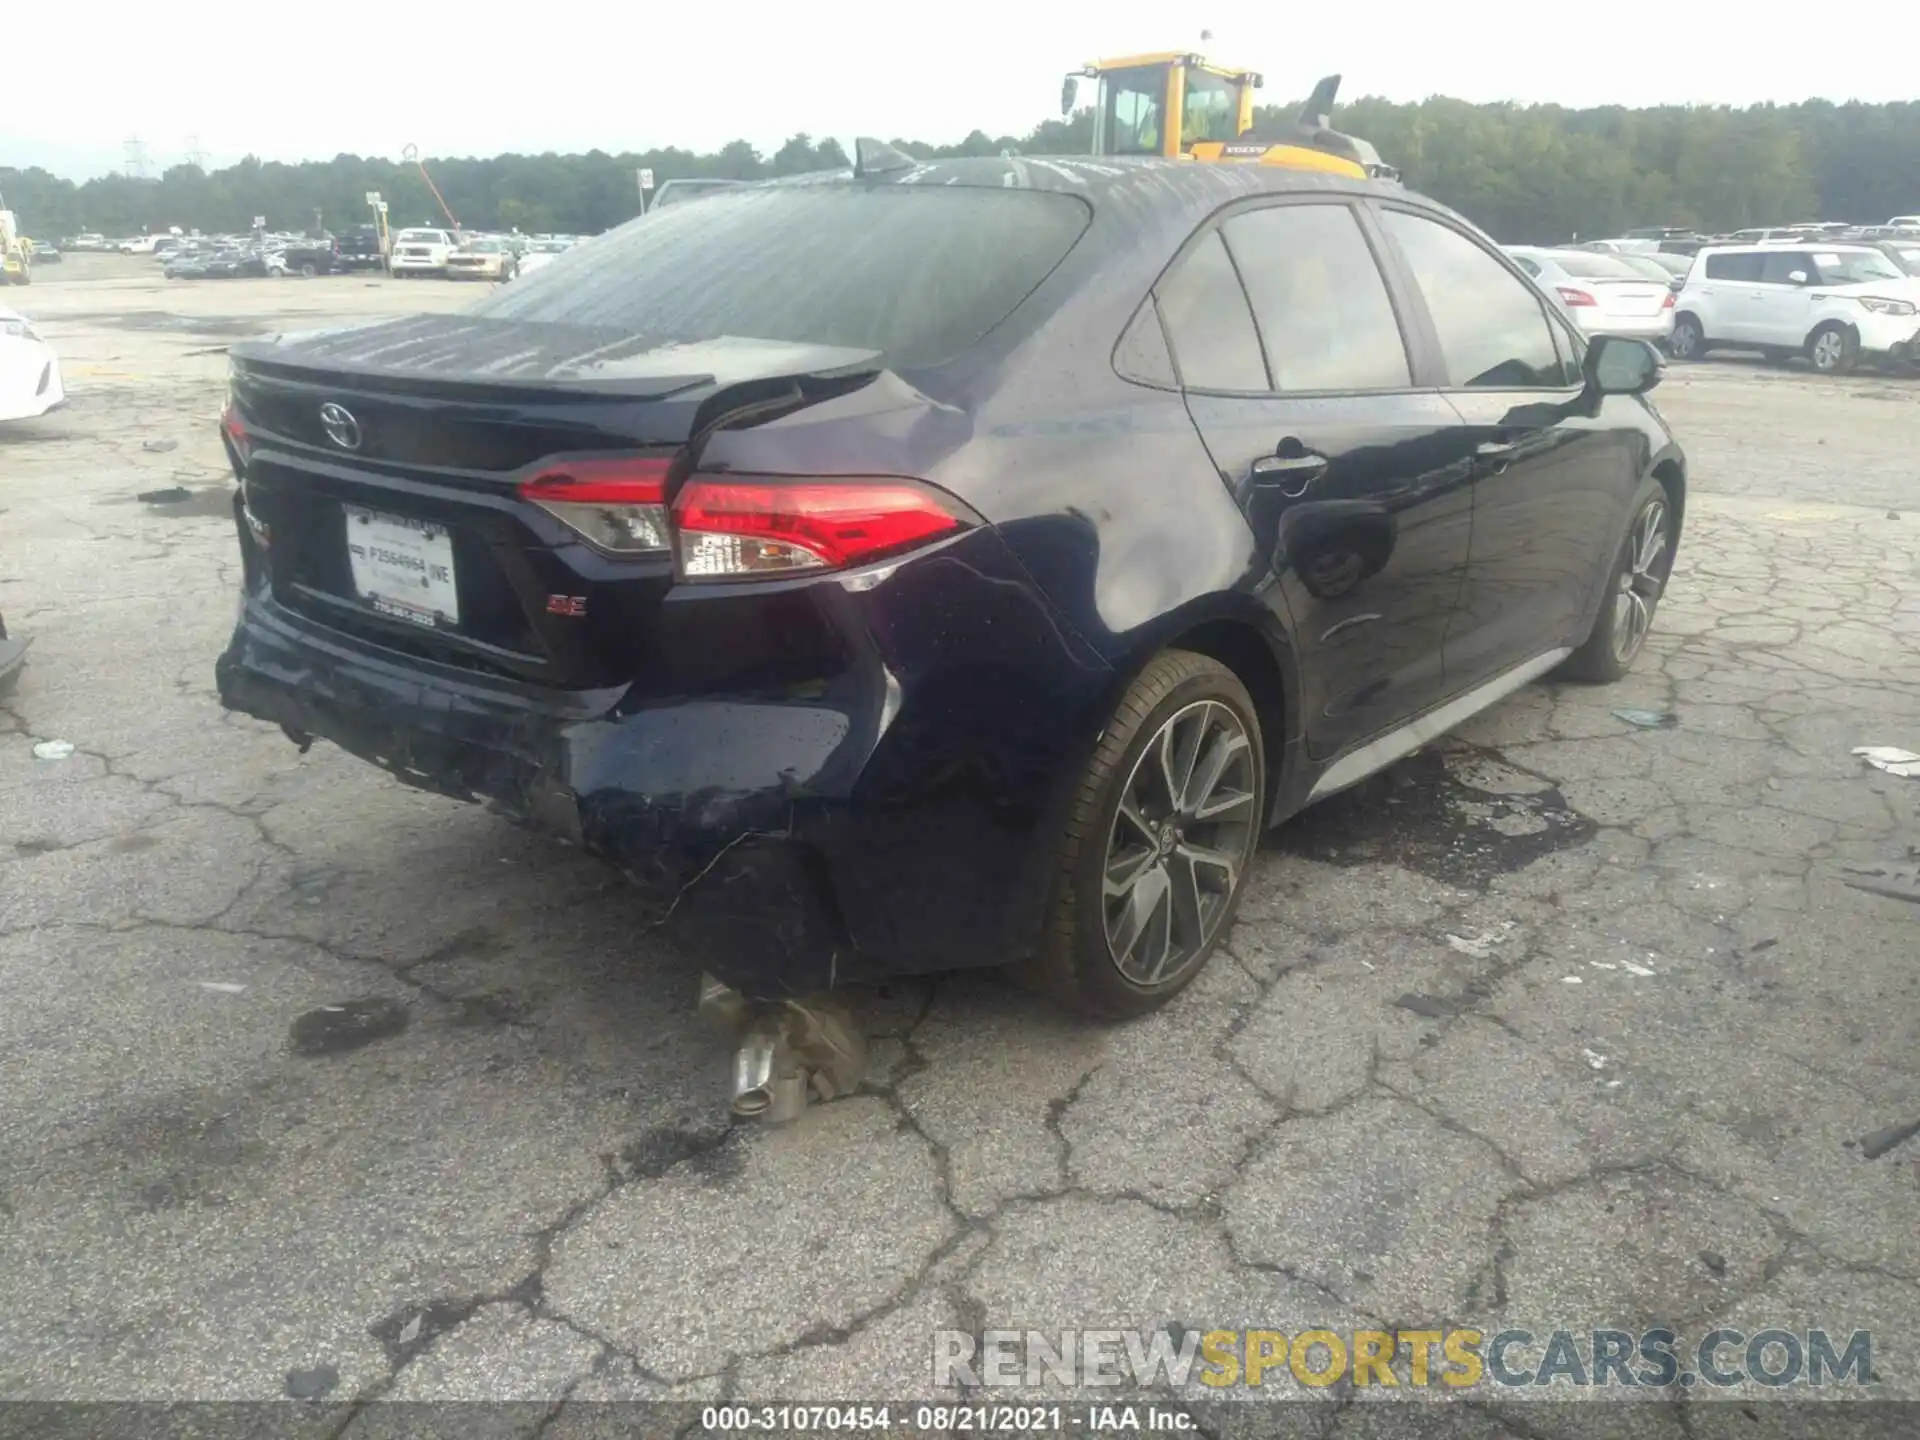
1292,467
1493,456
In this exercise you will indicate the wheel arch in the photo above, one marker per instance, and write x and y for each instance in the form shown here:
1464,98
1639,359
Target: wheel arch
1245,636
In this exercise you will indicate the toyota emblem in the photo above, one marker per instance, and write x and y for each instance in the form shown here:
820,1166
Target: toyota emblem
342,429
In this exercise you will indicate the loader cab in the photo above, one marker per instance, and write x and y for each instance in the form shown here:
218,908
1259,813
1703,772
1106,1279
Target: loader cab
1162,104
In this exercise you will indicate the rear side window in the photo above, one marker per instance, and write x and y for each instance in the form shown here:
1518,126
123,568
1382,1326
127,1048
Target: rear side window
1492,327
1207,319
918,273
1319,299
1733,267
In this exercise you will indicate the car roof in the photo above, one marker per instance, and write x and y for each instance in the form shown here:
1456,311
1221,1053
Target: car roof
1812,242
1098,177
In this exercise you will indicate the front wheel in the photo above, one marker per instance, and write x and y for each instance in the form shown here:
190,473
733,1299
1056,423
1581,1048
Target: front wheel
1634,586
1159,839
1688,341
1834,349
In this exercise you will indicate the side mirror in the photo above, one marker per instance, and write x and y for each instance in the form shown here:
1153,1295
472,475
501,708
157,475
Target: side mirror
1615,365
1069,94
1798,277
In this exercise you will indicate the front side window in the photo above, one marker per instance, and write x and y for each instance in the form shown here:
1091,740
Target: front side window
1781,266
1319,299
1130,119
1493,328
1210,110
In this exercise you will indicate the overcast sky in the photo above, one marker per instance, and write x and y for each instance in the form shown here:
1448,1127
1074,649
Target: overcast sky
274,80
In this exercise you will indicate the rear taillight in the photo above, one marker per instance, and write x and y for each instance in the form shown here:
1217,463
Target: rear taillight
235,429
1667,304
740,527
617,504
1575,297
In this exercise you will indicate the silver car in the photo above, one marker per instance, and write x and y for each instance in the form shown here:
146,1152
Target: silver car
1601,294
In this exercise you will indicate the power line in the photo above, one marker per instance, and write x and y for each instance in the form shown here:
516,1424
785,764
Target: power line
136,158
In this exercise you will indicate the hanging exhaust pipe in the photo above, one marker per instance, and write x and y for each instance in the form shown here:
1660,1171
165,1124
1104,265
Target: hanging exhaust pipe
789,1052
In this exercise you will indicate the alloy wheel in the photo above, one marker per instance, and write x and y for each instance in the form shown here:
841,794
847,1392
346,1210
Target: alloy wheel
1180,842
1829,346
1641,581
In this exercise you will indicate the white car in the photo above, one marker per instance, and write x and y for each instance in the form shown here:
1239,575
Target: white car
421,252
483,257
1835,303
29,370
1602,294
1904,222
542,253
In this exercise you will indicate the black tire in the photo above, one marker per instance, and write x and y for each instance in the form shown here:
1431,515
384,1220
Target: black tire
1689,339
1605,656
308,270
1833,349
1178,693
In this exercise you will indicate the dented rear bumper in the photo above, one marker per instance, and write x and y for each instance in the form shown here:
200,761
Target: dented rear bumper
893,819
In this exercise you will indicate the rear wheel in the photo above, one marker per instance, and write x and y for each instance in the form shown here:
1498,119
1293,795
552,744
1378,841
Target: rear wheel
1689,341
1634,586
308,270
1159,838
1833,348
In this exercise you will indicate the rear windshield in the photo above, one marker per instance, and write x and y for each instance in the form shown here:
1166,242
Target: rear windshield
917,273
1589,266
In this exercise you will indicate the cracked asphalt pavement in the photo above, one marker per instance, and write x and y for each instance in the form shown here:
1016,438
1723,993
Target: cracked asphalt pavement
1566,1022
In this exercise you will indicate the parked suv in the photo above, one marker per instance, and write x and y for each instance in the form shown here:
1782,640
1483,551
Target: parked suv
421,252
1835,303
955,566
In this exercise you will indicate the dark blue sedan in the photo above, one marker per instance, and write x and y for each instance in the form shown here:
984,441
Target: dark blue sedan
957,566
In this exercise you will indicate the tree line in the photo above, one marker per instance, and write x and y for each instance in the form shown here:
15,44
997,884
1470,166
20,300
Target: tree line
1529,174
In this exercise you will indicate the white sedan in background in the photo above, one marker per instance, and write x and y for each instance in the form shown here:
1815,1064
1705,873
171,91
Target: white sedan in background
1602,294
29,370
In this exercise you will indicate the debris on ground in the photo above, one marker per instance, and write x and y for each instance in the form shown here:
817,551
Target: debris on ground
1637,970
410,1331
160,447
1570,980
1433,1007
1595,1060
1648,719
1873,1146
331,1029
222,987
1479,946
1896,882
314,1384
1903,763
172,495
53,750
1714,1261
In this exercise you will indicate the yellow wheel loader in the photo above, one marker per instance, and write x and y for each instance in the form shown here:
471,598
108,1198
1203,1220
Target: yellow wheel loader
1180,106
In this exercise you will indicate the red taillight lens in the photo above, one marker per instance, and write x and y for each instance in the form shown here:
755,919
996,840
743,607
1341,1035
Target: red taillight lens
235,430
1576,297
740,527
617,504
1667,304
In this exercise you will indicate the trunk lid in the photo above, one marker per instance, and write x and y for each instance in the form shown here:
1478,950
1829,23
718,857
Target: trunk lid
394,452
1629,297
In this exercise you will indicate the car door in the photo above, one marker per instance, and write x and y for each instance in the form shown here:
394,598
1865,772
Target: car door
1721,293
1780,309
1548,483
1299,375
